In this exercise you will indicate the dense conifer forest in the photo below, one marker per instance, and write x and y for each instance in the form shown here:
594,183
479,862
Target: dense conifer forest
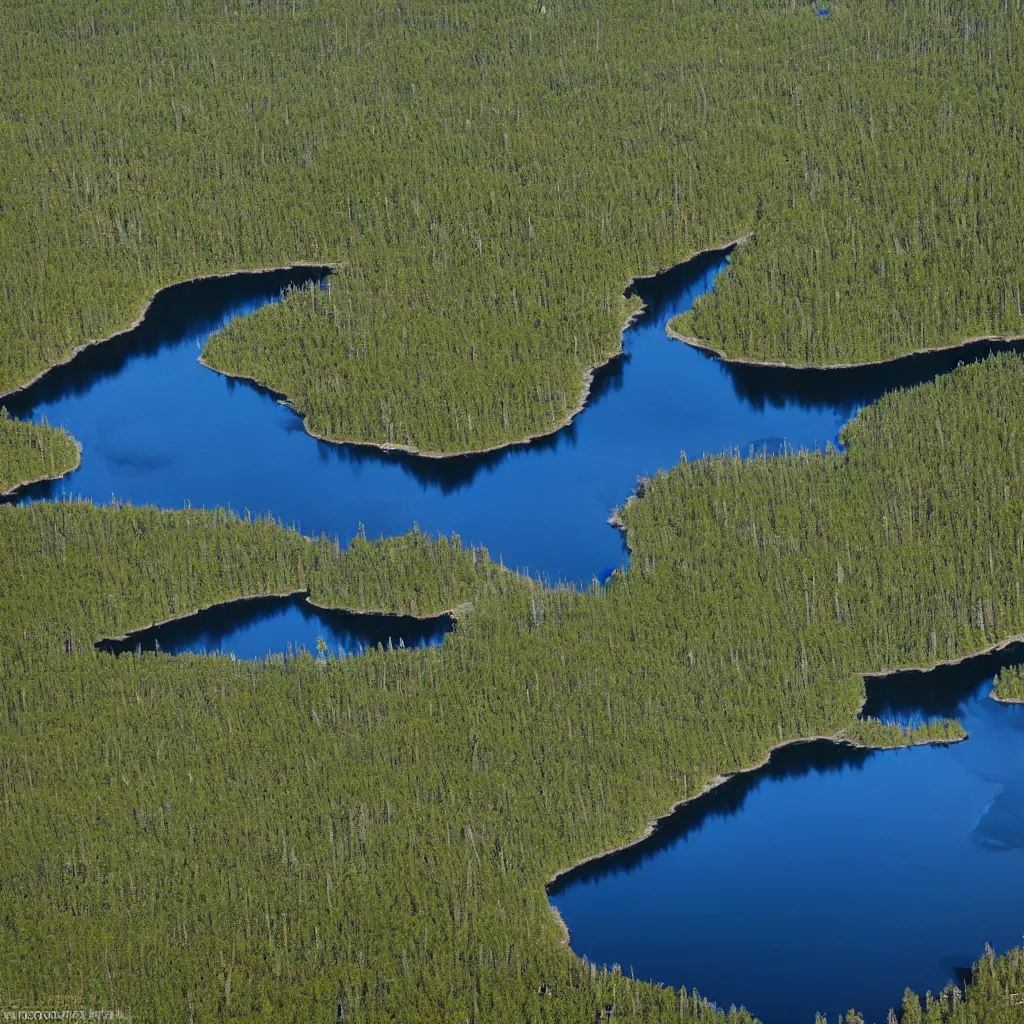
992,997
869,732
199,836
1010,684
30,452
315,837
487,178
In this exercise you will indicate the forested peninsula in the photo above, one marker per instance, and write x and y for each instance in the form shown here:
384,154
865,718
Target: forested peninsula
278,838
487,179
30,452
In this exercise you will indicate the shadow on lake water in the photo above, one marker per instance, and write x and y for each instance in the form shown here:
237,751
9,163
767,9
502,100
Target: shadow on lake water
191,310
159,428
907,698
856,386
258,627
849,875
871,870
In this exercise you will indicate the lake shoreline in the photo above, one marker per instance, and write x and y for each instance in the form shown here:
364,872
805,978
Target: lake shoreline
137,322
838,738
703,346
452,613
588,381
282,398
12,492
993,648
1006,700
192,614
649,829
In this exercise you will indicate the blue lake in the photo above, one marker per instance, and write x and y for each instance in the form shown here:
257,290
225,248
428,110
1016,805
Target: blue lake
263,626
832,877
848,874
158,427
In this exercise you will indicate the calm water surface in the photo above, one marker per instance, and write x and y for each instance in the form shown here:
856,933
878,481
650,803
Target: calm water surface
833,877
847,876
157,427
280,625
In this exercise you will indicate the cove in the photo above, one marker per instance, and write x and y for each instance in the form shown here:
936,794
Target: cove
832,877
262,626
159,428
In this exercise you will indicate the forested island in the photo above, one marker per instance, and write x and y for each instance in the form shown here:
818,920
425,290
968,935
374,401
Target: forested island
1010,685
315,837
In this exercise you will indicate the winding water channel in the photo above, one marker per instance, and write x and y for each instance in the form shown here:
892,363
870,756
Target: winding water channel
830,878
158,427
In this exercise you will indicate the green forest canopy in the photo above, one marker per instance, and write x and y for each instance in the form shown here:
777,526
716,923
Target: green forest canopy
193,837
33,451
240,840
1010,684
488,177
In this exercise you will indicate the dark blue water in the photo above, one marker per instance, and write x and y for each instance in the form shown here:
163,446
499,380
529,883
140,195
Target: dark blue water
157,427
847,876
833,877
264,626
